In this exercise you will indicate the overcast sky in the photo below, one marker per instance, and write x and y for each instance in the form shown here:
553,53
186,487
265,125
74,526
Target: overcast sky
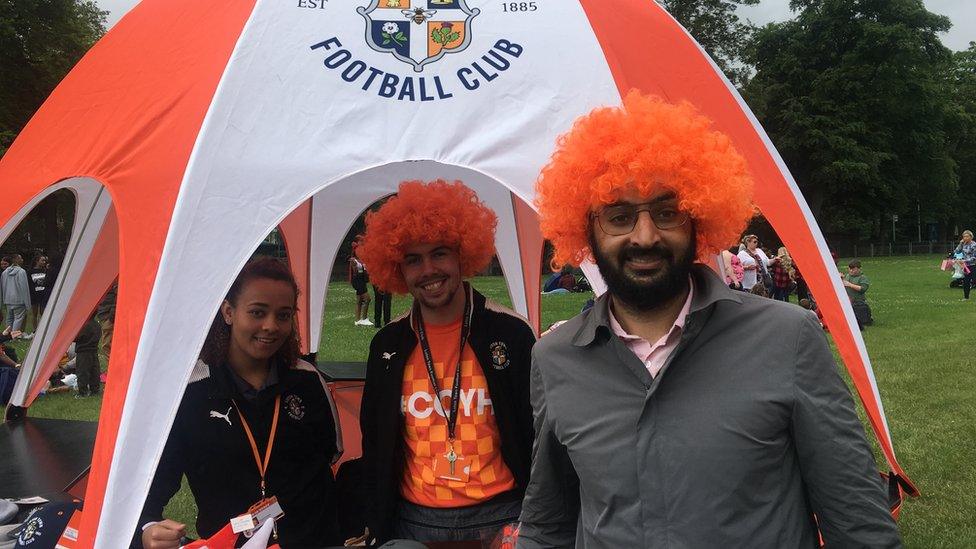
961,12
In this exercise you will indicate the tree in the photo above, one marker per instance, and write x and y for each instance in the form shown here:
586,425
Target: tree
961,80
46,229
853,94
718,29
40,40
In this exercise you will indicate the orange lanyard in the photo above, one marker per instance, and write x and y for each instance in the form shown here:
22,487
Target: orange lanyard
262,466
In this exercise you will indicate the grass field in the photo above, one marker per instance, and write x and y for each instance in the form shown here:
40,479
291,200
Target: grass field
920,346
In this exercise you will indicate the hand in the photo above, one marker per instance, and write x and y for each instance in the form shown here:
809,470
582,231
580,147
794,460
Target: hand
16,333
359,541
163,535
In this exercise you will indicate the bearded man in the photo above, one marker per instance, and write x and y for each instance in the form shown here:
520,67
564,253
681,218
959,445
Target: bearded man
677,412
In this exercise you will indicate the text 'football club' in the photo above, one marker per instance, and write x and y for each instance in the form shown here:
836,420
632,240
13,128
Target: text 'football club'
418,88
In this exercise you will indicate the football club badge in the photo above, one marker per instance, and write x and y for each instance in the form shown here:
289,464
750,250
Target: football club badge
418,32
499,355
295,407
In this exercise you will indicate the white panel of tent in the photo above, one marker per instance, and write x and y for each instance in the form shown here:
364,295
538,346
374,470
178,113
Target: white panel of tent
92,204
281,127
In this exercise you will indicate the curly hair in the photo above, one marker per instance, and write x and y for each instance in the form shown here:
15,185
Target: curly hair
426,213
645,145
214,351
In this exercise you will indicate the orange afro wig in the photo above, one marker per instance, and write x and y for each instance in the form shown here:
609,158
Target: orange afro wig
645,146
425,213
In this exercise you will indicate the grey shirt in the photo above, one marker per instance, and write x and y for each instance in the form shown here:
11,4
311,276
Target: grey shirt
14,287
746,432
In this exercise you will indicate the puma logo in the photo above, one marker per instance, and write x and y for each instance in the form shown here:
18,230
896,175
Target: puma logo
225,417
388,356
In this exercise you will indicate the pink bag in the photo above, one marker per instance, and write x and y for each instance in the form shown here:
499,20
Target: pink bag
946,265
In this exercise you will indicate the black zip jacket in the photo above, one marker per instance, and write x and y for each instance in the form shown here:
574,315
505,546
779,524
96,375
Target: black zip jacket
502,341
208,444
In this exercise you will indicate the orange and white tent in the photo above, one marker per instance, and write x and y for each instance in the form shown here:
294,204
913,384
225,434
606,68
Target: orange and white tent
193,128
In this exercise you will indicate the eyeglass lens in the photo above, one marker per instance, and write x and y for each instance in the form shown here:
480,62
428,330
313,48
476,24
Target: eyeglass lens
620,219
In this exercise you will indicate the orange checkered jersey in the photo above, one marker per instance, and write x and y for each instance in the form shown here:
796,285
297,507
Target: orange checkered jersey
476,435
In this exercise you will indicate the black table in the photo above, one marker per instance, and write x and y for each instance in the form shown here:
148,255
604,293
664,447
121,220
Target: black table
41,457
343,371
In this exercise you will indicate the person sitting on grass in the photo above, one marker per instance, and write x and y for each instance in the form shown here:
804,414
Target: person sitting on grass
809,305
564,283
8,357
857,285
256,423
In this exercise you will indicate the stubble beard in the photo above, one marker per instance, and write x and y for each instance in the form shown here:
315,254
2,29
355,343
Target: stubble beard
432,305
641,296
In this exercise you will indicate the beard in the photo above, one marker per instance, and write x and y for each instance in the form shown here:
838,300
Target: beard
645,294
443,300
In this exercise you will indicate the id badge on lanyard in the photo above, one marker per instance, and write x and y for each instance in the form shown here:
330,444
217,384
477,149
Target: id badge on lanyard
451,466
266,507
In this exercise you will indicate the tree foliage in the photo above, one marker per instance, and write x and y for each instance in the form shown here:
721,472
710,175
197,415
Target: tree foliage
718,29
961,80
46,229
853,93
40,40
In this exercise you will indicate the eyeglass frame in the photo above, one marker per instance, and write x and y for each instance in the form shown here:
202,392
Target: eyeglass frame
642,207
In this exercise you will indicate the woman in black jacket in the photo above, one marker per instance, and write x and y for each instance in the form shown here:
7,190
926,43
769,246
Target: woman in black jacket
255,424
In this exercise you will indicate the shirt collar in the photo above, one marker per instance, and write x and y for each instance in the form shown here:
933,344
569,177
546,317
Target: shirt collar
247,391
709,289
679,322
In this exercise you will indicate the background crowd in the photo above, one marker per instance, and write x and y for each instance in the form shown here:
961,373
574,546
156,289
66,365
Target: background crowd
24,295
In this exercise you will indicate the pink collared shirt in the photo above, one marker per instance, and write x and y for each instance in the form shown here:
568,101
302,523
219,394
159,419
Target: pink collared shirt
654,356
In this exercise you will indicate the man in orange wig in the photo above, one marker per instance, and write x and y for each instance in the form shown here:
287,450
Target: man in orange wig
677,412
445,417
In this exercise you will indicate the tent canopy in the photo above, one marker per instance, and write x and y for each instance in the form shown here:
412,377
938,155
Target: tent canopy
209,123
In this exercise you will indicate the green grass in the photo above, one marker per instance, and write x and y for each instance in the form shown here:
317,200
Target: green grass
921,350
920,346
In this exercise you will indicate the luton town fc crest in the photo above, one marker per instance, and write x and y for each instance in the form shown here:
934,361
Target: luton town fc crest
499,355
295,407
30,532
418,32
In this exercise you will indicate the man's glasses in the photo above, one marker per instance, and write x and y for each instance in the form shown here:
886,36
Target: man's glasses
620,219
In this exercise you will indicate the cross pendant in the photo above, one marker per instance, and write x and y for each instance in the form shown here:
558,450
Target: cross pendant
451,458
